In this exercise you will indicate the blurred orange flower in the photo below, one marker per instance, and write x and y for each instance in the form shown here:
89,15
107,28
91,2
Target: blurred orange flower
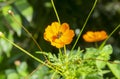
58,34
91,36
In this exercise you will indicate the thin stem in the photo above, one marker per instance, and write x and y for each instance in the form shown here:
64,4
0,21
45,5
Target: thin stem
12,14
84,24
55,11
23,50
101,46
96,44
60,51
39,66
32,56
65,49
112,62
50,66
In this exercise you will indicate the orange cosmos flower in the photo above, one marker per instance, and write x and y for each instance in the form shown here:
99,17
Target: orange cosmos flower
91,36
58,35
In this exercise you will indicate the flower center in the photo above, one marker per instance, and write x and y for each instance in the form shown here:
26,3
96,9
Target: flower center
59,35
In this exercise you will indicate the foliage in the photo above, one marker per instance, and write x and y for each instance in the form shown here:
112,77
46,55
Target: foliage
80,60
77,65
115,68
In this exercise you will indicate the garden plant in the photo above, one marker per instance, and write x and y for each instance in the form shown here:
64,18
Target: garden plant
68,63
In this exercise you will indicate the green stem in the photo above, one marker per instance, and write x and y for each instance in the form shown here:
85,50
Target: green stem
14,19
84,24
60,51
23,50
101,46
64,49
28,76
96,44
55,11
26,52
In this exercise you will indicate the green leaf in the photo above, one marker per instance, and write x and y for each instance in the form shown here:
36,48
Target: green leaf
5,46
104,71
94,76
106,50
104,56
17,28
2,76
1,58
41,73
115,68
22,69
1,0
100,62
75,53
90,53
11,74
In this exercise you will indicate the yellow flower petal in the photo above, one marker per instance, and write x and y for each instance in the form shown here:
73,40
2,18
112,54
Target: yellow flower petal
58,35
95,36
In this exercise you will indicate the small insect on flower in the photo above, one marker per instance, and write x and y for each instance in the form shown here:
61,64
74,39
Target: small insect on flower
58,34
91,36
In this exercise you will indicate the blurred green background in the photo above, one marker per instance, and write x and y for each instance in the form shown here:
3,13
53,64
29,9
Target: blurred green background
35,15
